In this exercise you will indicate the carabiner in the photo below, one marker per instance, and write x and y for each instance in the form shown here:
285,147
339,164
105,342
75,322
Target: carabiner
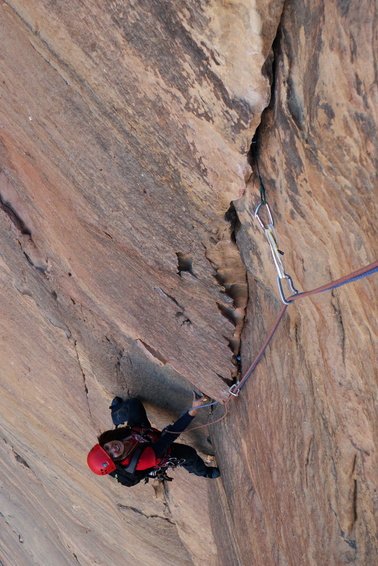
279,283
231,390
271,222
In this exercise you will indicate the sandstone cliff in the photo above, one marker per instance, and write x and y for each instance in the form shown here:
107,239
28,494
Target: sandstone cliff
131,264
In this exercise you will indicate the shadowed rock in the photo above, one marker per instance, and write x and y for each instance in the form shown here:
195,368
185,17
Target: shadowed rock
132,265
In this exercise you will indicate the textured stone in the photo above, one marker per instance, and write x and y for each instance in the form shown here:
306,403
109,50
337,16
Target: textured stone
306,488
130,257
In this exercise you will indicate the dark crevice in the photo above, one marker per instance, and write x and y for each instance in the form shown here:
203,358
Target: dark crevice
296,333
14,216
270,69
183,319
363,450
139,512
352,543
84,378
232,217
20,538
308,458
234,288
20,459
154,353
169,297
254,150
41,268
227,312
355,515
225,380
234,346
185,263
275,61
237,292
340,324
47,60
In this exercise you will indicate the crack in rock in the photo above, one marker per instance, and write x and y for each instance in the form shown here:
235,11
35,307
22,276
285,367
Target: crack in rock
20,538
139,512
340,325
170,297
84,378
25,239
225,258
152,353
20,459
14,216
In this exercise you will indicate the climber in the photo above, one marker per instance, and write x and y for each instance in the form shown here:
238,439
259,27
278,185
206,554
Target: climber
138,451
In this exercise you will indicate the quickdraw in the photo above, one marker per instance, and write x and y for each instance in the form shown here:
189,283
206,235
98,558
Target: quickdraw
271,236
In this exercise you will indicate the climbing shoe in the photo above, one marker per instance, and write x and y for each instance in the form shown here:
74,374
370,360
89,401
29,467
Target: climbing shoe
212,472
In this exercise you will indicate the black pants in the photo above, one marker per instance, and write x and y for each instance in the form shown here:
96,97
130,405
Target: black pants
137,416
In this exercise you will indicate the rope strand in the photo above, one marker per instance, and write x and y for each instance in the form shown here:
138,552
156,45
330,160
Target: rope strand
354,276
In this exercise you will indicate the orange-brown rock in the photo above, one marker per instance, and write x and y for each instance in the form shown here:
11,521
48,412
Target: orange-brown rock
131,264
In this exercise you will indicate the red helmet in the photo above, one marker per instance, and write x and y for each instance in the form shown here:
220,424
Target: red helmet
100,462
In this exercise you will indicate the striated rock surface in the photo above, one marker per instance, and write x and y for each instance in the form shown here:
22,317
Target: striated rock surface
131,264
307,483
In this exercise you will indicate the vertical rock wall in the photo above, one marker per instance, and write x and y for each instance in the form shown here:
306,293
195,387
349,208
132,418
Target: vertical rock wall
305,490
129,251
123,133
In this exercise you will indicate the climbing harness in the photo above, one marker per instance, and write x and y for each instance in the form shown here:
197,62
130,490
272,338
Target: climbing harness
161,473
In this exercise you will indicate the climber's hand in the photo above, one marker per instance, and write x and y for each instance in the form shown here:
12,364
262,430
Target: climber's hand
197,403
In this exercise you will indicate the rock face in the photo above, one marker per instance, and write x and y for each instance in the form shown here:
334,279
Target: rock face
131,264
